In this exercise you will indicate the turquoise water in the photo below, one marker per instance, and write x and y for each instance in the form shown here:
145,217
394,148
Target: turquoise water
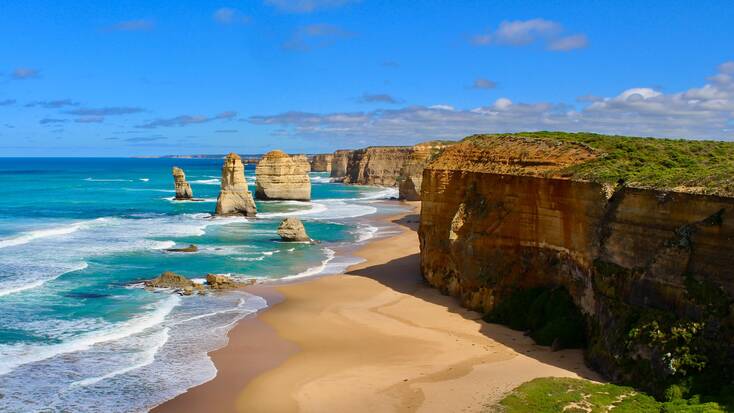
77,236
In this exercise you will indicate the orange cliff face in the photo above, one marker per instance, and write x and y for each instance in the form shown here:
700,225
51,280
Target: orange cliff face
496,218
234,196
322,162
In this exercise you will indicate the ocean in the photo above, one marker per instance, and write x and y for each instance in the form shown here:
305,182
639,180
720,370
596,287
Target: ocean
78,333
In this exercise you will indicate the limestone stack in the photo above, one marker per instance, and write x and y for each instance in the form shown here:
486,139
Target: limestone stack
339,163
279,176
183,189
292,230
322,162
234,197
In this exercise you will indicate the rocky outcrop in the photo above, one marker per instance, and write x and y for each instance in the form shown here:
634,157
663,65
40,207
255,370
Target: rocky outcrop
377,165
292,229
339,163
411,172
183,189
651,270
224,282
234,197
279,176
190,248
169,279
322,162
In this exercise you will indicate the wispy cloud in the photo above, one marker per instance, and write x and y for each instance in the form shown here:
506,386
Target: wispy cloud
138,25
186,120
52,104
139,139
377,98
106,111
392,64
307,6
227,15
51,121
483,84
314,36
7,102
698,112
23,73
226,131
90,119
527,32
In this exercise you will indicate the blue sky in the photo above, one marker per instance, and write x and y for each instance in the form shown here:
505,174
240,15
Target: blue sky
109,78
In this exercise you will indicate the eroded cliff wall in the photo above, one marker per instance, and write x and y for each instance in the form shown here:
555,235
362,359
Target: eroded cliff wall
339,163
322,162
283,177
652,270
377,165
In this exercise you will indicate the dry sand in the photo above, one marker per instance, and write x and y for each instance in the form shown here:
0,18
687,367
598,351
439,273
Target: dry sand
375,339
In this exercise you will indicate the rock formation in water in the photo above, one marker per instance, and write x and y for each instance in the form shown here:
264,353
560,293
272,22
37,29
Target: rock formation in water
279,176
224,282
292,229
190,248
234,197
339,163
651,269
183,189
322,162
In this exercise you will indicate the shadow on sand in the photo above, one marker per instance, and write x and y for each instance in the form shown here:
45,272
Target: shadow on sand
403,275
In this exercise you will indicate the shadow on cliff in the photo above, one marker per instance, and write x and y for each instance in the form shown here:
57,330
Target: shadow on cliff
403,275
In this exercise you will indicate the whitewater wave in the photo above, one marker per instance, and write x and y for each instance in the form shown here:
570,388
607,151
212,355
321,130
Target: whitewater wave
366,232
145,179
216,181
24,285
174,200
319,269
18,355
29,236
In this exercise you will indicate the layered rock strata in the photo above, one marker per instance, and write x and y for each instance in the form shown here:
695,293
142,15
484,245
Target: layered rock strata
411,172
183,189
339,163
377,165
651,270
292,230
322,162
279,176
234,197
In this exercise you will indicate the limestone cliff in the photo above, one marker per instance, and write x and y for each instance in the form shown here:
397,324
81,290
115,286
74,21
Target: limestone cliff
234,197
651,269
322,162
183,189
377,165
411,172
279,176
339,163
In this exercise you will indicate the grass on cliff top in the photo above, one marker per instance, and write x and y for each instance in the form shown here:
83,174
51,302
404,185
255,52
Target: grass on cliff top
686,165
566,395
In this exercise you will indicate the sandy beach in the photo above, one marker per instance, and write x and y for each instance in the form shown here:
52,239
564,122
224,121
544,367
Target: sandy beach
375,339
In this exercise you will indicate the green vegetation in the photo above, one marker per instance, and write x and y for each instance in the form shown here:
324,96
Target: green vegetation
564,395
549,314
692,166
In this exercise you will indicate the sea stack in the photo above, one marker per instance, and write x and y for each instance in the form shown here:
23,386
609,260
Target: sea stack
292,230
234,198
339,163
282,177
322,162
183,189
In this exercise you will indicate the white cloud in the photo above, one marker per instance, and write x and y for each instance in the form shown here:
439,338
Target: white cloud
306,6
527,32
227,15
701,112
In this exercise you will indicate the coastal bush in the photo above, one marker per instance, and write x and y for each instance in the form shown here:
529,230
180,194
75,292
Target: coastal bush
698,166
558,395
549,314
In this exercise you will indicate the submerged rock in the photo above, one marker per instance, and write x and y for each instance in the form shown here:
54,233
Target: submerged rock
190,248
234,197
183,189
279,176
292,229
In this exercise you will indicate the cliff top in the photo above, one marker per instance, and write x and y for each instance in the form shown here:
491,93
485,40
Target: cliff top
233,155
670,164
275,154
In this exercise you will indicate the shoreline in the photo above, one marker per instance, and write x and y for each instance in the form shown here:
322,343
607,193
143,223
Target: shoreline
373,338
